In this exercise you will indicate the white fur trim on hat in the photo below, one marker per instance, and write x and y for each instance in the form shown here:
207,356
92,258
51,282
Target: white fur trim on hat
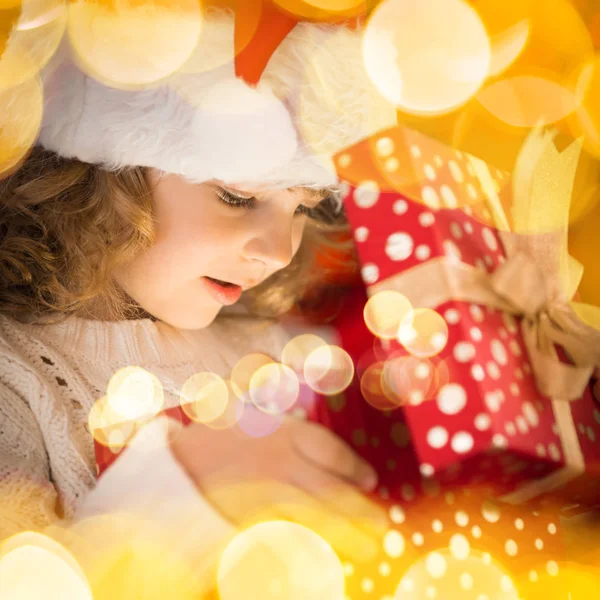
203,123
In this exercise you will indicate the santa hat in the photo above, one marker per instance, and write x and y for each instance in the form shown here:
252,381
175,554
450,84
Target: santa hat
273,114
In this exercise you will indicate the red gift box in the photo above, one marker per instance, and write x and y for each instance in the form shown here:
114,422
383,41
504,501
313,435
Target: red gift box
478,416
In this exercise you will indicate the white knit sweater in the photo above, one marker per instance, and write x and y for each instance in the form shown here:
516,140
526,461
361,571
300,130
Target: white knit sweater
50,376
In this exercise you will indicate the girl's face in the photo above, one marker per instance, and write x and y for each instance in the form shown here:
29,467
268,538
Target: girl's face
236,234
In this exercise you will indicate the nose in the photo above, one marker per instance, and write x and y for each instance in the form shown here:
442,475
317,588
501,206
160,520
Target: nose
272,245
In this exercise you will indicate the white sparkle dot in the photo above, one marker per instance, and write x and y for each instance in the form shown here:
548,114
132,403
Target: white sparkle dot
437,526
423,252
466,581
344,160
514,389
499,352
533,576
476,313
384,569
426,219
452,398
552,568
384,146
397,514
451,250
430,197
490,511
455,230
540,450
429,172
554,451
511,548
400,207
417,539
464,352
489,238
370,273
367,585
459,546
476,531
462,442
510,428
461,518
426,470
493,370
399,246
493,400
393,544
477,373
552,529
468,227
448,196
522,424
506,584
483,422
471,189
437,437
415,151
539,544
436,565
366,194
476,334
519,524
452,317
530,414
456,172
361,234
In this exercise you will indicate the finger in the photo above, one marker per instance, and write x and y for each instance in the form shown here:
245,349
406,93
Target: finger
320,446
343,498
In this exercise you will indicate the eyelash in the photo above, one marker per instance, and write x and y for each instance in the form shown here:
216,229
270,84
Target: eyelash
250,203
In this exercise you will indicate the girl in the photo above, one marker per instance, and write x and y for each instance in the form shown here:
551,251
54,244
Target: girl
157,228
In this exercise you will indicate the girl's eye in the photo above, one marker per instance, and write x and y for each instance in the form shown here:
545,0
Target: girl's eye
249,203
237,201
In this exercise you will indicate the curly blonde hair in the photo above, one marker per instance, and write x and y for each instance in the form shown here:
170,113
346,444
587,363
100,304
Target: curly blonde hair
65,226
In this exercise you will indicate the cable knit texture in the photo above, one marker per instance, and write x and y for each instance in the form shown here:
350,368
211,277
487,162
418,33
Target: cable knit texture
51,375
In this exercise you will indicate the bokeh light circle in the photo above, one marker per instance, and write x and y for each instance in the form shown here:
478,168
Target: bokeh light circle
280,559
244,370
274,388
135,393
29,35
426,68
323,10
128,44
423,332
297,349
408,380
384,312
21,108
372,388
108,427
58,576
329,370
204,397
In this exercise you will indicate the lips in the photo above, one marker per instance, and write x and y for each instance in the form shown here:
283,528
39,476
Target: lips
224,292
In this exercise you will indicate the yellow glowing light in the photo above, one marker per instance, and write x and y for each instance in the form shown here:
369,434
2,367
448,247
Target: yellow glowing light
28,38
232,412
131,44
329,370
323,10
204,397
280,559
297,349
35,566
384,312
426,68
21,110
480,578
134,393
243,371
408,380
274,388
373,391
423,332
586,120
525,101
103,421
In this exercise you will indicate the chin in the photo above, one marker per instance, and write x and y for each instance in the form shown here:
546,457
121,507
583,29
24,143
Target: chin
192,321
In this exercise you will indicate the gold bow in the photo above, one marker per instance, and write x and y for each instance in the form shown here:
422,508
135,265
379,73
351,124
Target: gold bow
538,279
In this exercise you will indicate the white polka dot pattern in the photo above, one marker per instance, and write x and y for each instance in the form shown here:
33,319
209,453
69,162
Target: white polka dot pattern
366,194
399,246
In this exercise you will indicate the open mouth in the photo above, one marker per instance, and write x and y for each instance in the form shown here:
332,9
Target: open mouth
221,282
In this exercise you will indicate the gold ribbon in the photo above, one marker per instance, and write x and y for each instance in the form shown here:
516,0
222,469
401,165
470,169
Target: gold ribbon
536,283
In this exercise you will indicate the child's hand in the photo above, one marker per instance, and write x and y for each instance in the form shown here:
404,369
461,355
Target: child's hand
302,472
